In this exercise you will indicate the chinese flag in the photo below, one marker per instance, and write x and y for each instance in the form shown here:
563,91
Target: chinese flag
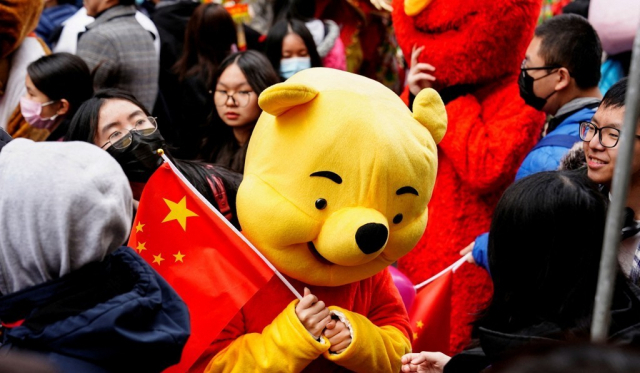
199,254
431,315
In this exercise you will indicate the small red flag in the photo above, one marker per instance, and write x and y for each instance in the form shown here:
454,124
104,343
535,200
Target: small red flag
431,316
198,252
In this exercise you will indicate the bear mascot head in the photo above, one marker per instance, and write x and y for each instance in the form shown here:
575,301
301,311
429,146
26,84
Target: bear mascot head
338,175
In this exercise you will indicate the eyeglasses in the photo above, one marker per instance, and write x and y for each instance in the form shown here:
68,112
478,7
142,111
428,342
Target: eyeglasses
122,139
239,98
524,68
608,136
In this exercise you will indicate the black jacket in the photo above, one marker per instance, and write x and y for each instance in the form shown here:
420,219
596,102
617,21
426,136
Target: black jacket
495,346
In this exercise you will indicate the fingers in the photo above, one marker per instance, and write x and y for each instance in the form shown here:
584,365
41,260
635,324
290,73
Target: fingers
316,330
437,358
423,66
331,324
410,368
330,333
415,53
307,301
467,250
340,346
386,5
407,358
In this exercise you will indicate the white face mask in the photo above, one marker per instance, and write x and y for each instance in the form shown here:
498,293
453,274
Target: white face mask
290,66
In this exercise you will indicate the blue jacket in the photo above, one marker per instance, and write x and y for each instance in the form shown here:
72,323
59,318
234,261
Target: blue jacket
540,158
117,315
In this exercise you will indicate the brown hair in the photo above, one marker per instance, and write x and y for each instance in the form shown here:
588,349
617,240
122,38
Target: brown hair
207,41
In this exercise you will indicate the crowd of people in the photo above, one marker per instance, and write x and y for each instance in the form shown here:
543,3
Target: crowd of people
174,76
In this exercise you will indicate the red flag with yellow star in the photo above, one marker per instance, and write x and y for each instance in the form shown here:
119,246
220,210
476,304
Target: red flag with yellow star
431,315
199,253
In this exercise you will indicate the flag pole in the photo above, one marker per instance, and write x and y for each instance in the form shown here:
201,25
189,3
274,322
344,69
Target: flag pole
452,267
215,211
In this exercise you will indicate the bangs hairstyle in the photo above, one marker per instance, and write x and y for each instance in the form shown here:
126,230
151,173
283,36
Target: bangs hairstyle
276,36
569,40
84,124
255,67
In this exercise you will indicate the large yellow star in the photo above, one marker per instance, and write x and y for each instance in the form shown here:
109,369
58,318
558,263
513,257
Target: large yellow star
158,258
139,227
419,324
179,257
179,212
141,247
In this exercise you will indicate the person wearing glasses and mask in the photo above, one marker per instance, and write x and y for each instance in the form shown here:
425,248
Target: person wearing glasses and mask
117,122
559,75
239,80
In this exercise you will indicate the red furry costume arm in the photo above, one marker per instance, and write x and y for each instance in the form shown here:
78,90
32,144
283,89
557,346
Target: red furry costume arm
382,336
488,140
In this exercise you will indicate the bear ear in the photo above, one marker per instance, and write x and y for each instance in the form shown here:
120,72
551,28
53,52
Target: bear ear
281,97
428,109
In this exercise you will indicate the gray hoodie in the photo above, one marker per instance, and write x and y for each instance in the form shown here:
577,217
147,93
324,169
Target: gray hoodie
62,205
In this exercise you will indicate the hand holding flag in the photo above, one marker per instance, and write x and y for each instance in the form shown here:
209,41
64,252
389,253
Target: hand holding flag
199,253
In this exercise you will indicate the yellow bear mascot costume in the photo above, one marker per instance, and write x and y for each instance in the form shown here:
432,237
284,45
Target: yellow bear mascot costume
337,180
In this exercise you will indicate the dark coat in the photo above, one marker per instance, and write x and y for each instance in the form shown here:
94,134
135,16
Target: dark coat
495,346
113,316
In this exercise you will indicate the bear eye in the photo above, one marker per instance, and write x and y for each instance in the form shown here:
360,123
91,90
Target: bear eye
321,203
397,219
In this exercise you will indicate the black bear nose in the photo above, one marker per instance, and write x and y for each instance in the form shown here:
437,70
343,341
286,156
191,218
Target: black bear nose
371,237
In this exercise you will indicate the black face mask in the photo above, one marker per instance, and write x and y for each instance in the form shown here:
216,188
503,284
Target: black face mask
525,82
139,160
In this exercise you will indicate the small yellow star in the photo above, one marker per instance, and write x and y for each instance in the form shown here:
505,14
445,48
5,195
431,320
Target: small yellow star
139,227
179,257
179,212
158,258
141,247
415,335
419,324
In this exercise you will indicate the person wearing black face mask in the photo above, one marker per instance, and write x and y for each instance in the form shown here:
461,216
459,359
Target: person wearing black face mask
559,75
118,123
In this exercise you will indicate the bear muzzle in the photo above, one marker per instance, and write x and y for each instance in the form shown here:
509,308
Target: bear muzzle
352,236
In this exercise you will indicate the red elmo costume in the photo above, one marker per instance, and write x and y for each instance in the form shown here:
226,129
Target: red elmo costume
476,48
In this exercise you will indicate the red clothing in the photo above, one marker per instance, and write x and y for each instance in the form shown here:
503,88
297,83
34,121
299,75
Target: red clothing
488,135
375,298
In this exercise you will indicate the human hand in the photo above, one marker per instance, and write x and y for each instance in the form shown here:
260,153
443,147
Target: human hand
429,362
467,250
339,335
382,4
418,78
313,314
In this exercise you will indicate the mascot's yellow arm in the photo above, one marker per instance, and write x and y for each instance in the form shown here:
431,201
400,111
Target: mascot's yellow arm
372,348
283,346
286,346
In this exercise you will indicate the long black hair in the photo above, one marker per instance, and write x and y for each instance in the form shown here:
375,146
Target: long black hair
276,35
544,252
260,75
84,126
